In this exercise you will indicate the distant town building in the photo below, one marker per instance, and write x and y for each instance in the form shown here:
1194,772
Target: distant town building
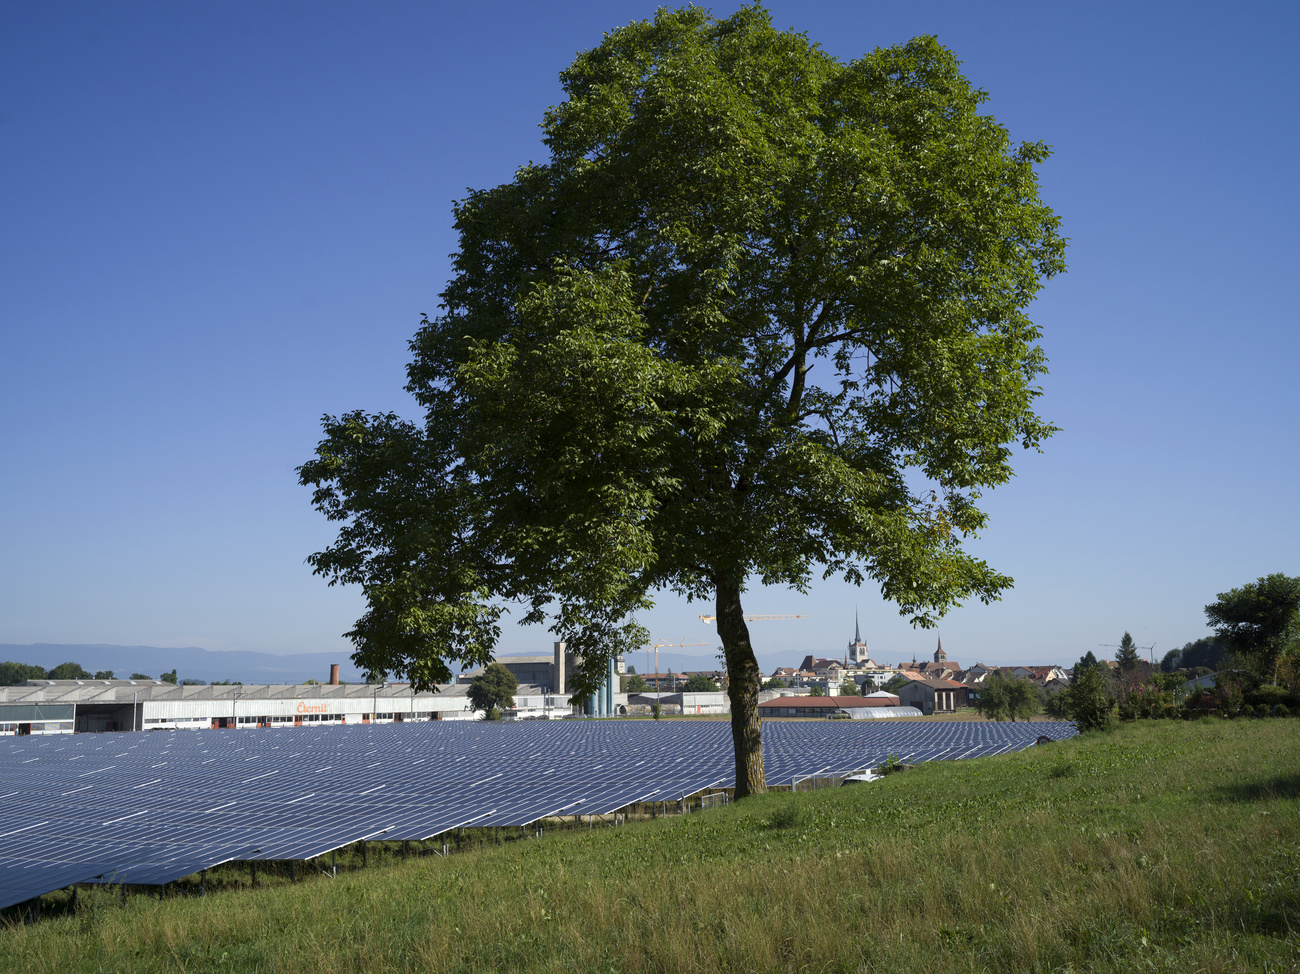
933,696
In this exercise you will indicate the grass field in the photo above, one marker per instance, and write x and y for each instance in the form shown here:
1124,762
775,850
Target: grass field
1164,846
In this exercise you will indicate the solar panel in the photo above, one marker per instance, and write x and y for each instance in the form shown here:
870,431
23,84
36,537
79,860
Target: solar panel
152,808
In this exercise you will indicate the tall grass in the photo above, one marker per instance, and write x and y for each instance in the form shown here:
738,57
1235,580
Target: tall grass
1166,846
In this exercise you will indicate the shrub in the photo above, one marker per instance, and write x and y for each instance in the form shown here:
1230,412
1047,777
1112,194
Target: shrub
1280,710
891,764
788,816
1270,695
1087,700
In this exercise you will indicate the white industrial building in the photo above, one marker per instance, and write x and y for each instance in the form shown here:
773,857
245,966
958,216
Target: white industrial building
68,706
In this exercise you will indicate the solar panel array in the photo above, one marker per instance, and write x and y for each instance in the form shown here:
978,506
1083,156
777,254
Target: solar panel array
152,808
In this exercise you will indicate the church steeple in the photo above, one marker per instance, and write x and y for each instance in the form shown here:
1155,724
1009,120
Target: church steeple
857,652
939,655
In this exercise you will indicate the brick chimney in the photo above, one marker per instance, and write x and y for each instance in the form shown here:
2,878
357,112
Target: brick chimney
334,674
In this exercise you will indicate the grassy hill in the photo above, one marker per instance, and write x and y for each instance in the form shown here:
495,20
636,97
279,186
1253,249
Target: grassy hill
1167,846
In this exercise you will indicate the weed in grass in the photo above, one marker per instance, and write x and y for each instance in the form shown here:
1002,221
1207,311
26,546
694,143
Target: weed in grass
1062,769
789,816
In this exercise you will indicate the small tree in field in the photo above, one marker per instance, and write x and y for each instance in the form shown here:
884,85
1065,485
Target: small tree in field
493,690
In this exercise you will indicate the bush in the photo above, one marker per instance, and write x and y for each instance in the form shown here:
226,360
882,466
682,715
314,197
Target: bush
788,817
1088,701
1270,694
1280,710
891,765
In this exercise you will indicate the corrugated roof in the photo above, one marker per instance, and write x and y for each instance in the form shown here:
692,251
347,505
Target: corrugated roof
127,691
833,703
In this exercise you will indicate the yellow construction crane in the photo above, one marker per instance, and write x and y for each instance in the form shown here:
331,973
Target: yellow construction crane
753,618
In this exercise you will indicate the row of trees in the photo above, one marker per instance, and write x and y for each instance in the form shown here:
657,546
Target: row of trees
12,674
697,683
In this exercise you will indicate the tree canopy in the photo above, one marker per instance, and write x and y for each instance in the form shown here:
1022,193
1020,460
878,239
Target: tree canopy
760,315
493,690
1086,661
699,683
895,683
634,683
1087,700
1003,697
1127,655
1259,619
11,674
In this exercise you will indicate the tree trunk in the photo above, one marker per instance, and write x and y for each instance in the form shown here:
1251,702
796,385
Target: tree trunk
743,681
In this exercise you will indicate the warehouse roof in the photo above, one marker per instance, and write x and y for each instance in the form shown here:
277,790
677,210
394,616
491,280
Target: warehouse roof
127,691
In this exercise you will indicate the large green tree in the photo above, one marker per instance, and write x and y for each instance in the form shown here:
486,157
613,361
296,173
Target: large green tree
1258,620
760,315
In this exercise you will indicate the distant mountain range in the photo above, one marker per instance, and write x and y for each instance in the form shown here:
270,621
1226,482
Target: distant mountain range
190,663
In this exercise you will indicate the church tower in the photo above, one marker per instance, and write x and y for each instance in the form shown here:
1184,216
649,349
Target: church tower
857,649
939,655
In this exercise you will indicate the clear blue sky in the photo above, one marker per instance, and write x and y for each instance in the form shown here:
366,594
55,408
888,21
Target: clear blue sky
220,221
